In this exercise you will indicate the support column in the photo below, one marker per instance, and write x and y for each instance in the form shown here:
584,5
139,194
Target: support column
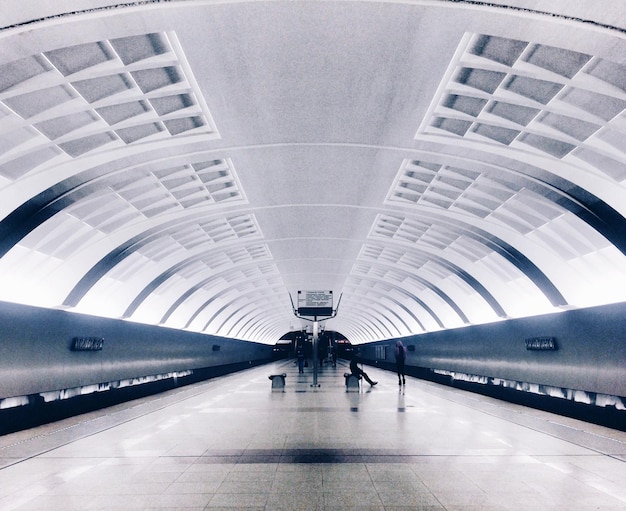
315,353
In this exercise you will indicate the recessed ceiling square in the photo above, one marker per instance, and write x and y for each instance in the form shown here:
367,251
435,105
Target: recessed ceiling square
149,80
466,104
516,113
134,133
580,130
503,135
83,145
72,59
33,103
541,91
135,48
603,106
59,126
177,126
167,104
481,79
95,89
551,146
456,126
120,112
499,49
557,60
610,72
19,71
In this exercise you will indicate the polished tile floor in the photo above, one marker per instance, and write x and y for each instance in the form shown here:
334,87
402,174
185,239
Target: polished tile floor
234,443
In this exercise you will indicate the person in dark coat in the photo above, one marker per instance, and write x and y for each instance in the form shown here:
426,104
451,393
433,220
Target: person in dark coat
358,372
300,355
400,353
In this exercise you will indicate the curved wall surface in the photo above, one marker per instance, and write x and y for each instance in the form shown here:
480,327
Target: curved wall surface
36,353
590,354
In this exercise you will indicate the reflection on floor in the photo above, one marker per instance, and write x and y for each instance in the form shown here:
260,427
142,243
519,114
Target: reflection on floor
233,443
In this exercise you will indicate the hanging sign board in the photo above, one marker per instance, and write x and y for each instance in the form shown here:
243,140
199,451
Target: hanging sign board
315,303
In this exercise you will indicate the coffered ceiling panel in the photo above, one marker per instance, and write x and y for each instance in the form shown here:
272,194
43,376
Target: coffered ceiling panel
434,164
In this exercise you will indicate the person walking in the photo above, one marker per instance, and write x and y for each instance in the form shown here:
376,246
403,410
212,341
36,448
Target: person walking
400,353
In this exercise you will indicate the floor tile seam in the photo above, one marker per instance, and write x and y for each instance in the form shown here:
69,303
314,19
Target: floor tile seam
501,409
462,396
148,400
381,496
567,455
163,400
331,461
307,410
176,395
202,390
282,458
193,389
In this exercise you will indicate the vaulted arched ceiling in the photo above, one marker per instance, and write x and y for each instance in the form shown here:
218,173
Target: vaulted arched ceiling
194,163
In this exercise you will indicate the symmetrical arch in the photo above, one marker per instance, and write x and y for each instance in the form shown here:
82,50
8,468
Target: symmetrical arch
193,164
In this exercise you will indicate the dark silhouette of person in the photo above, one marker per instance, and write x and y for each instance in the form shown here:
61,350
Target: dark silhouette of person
400,353
301,356
358,372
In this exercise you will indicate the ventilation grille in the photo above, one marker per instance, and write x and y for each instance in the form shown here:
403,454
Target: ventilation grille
529,96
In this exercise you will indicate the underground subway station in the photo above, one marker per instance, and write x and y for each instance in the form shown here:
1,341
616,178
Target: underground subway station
312,255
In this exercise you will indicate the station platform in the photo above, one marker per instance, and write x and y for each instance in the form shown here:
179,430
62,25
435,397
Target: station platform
235,442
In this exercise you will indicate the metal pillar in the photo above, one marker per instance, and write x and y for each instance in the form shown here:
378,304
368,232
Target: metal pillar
315,353
326,315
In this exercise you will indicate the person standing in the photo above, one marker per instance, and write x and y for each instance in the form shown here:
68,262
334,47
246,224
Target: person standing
400,353
300,355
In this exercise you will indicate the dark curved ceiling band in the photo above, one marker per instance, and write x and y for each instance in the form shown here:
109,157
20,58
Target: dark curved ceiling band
154,284
410,296
476,3
571,197
172,271
34,212
514,256
143,171
198,286
456,270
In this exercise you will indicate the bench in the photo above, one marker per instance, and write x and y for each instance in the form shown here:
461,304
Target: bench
278,381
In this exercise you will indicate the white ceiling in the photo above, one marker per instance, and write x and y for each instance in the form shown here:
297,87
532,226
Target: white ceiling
432,163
